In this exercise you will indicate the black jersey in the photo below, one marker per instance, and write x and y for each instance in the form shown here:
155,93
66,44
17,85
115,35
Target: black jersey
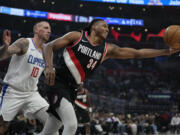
77,62
82,58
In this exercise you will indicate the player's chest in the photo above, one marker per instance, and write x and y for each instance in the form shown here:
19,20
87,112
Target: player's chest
35,59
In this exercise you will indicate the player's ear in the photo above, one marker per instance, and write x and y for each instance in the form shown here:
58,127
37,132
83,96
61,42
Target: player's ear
35,30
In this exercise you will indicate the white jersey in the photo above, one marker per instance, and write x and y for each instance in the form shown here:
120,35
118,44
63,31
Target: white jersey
24,71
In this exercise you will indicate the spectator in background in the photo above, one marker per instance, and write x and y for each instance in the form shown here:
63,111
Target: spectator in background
175,122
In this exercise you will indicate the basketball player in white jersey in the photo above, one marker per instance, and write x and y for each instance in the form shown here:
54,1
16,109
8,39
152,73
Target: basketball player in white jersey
19,92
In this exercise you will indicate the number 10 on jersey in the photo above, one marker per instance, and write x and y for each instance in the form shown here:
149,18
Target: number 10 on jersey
35,72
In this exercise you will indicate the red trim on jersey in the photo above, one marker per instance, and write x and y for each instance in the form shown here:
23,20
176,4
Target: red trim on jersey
80,104
77,40
89,39
76,63
105,51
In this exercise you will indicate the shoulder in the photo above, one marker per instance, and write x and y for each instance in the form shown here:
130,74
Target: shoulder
65,40
23,43
19,47
23,40
70,37
74,35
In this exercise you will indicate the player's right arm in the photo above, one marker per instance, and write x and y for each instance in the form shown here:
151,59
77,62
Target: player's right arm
19,47
66,40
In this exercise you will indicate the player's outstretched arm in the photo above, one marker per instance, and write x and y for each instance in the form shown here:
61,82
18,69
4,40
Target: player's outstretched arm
19,47
114,51
48,49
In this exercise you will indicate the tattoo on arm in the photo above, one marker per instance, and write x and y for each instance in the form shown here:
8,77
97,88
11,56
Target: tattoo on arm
19,47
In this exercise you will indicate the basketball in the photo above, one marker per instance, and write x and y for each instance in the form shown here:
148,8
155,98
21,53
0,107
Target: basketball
172,36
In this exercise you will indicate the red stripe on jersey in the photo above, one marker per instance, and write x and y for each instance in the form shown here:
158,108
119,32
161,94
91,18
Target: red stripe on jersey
105,51
76,63
80,104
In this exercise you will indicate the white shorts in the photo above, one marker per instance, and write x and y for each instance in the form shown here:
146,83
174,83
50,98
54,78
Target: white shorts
12,102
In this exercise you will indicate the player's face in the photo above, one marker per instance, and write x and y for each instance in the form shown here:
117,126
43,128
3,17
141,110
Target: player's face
44,31
102,29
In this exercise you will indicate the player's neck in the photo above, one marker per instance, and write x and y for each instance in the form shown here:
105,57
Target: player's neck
38,43
94,39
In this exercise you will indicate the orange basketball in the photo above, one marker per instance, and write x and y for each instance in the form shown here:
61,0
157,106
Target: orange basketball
172,36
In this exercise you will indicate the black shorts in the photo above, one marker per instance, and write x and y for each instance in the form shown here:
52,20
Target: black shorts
65,86
57,92
82,115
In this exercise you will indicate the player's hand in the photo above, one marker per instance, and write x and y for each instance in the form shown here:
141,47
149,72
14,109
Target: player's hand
49,75
173,50
6,38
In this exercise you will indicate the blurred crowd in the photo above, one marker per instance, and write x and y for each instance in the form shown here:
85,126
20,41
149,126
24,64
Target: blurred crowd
127,100
129,97
105,123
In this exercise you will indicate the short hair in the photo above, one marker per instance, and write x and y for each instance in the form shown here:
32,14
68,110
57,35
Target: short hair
38,24
88,28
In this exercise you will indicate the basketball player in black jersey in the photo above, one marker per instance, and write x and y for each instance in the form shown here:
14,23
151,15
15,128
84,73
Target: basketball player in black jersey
83,53
83,110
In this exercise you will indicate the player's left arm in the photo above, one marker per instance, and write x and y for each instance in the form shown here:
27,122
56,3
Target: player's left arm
114,51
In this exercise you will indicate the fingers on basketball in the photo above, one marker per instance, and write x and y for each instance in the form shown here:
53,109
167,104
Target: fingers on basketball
172,36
